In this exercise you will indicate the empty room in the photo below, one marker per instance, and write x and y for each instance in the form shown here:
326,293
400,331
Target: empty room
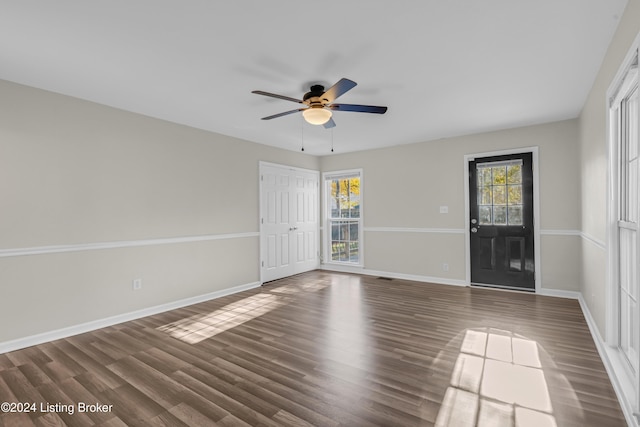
359,213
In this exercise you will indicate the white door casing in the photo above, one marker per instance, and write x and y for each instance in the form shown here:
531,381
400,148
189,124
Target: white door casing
536,208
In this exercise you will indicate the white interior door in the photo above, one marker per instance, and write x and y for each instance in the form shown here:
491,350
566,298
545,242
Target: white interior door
288,221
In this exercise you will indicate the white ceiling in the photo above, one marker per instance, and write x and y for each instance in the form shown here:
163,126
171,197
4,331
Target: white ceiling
444,68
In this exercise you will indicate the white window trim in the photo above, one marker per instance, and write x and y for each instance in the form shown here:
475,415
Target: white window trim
627,385
326,229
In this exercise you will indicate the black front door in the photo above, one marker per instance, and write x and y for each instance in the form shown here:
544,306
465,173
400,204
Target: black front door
501,226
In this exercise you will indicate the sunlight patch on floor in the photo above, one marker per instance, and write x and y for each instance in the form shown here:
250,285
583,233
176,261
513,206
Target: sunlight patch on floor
297,288
347,338
497,381
199,327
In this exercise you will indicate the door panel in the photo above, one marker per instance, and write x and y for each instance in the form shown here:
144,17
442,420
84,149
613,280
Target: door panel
501,228
306,225
486,257
272,247
284,250
289,223
275,222
515,253
301,247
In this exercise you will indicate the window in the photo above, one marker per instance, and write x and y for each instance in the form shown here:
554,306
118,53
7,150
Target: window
624,124
623,233
500,193
343,217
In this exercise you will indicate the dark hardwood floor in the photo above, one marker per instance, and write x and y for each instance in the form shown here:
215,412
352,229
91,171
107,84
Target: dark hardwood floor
325,349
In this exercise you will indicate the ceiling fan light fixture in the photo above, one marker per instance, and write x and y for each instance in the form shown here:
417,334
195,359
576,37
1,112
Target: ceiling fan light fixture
316,115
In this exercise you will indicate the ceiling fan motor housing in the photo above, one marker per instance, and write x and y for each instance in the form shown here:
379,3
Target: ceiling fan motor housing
316,92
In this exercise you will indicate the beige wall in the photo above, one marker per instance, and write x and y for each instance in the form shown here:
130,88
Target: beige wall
76,173
594,161
405,186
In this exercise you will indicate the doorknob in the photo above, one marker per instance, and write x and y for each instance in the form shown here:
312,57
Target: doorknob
293,228
474,230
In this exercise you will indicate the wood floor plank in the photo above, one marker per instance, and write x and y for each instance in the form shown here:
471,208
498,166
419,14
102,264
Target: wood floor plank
326,349
190,416
16,420
21,389
50,419
158,387
58,402
78,393
5,362
229,403
28,355
131,405
34,374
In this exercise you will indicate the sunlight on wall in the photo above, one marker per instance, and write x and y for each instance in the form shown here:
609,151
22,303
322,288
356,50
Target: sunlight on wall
497,380
199,327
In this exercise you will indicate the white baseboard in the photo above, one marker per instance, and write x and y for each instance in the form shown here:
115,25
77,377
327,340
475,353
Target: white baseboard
610,358
414,277
559,293
57,334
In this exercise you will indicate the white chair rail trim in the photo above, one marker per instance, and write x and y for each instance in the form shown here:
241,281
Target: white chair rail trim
39,250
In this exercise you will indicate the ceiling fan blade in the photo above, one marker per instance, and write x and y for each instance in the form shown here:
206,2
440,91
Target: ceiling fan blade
338,89
286,113
274,95
358,108
330,124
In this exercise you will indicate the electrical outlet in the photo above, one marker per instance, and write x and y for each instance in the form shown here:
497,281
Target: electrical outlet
137,284
445,267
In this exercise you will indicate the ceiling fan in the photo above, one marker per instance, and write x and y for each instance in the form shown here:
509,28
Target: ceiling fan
319,103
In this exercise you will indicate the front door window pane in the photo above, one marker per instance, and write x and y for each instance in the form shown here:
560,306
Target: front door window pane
485,215
514,174
500,215
485,195
500,195
515,195
515,215
499,175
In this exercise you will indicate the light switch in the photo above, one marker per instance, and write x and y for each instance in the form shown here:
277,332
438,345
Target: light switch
444,209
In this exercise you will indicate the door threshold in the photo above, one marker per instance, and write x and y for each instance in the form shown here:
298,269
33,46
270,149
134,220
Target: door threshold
502,287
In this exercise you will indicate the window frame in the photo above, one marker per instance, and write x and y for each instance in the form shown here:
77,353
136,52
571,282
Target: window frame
621,211
327,220
627,383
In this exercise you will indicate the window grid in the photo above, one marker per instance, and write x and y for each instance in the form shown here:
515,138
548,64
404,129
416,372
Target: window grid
499,188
